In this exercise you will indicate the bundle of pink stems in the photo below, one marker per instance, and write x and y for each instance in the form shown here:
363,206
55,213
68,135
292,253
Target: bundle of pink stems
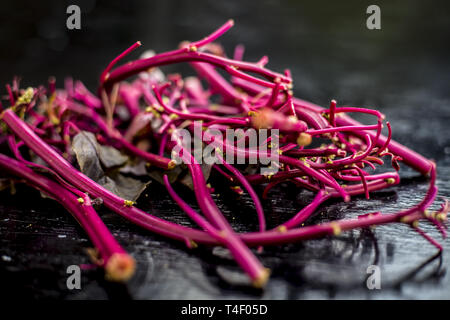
44,120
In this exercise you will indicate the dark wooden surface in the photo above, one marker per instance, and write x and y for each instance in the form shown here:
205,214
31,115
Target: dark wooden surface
402,70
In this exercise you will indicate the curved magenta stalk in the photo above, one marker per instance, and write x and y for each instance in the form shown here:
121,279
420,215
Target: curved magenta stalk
82,182
105,73
119,266
156,160
240,177
410,157
188,55
313,111
242,254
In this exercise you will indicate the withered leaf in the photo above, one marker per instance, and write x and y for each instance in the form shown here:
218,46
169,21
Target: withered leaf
108,156
94,158
187,179
136,168
158,174
180,173
125,187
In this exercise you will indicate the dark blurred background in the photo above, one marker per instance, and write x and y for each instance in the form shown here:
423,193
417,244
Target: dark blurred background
325,43
402,69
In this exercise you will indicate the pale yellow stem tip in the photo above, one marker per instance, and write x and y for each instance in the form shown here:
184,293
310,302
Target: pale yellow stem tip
172,164
261,280
120,267
304,139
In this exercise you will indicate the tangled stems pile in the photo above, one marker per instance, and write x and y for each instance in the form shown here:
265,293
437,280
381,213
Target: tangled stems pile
131,116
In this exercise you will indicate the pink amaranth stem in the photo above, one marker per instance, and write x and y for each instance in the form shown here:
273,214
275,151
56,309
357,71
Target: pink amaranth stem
115,203
240,177
243,256
119,266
